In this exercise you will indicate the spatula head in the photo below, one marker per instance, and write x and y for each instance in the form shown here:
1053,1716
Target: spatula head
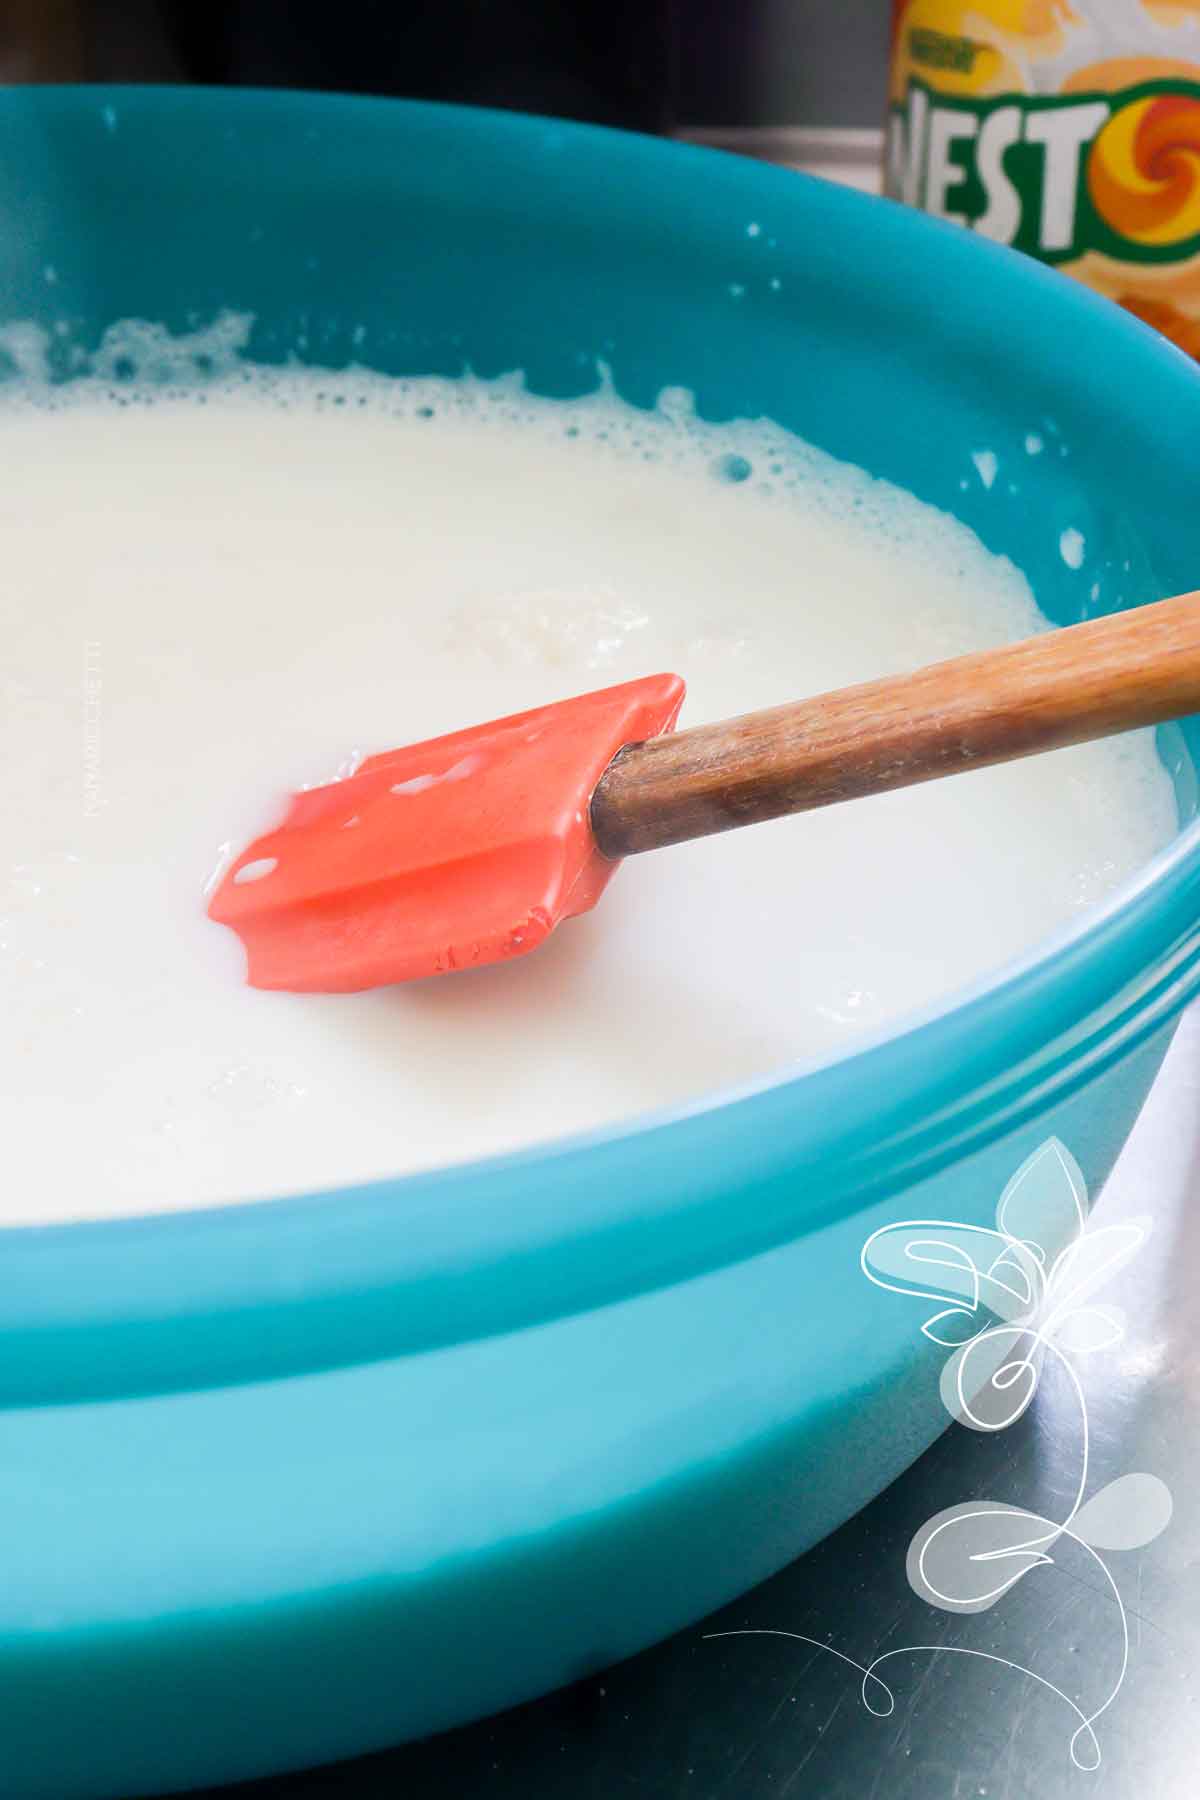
462,850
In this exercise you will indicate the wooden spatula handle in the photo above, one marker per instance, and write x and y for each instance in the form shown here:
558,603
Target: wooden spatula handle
1063,687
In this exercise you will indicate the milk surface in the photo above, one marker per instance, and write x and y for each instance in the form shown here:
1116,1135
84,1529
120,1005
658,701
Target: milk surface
212,598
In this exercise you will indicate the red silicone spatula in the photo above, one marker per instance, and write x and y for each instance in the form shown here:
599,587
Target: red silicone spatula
471,848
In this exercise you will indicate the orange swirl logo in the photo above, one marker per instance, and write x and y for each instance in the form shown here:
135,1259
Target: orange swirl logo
1143,172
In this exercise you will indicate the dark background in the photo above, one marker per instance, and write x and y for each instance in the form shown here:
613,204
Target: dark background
654,65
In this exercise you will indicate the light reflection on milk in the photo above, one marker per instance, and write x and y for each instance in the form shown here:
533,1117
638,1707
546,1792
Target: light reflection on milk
303,569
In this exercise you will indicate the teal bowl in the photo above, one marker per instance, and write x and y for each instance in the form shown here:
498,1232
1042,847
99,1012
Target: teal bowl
300,1479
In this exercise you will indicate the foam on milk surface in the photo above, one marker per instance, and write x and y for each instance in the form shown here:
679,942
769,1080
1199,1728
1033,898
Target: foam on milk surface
213,596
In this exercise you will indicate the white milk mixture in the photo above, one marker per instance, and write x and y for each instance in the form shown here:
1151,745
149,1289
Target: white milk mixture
207,601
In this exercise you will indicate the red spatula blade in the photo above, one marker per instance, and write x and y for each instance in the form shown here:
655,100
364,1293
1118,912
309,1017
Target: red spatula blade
462,850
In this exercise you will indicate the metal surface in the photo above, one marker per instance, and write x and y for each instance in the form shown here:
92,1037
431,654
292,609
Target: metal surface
853,157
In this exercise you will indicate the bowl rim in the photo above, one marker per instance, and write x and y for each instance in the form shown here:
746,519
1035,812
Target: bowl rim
253,1289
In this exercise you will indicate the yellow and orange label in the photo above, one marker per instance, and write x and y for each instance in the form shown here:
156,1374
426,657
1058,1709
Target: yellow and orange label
1067,128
